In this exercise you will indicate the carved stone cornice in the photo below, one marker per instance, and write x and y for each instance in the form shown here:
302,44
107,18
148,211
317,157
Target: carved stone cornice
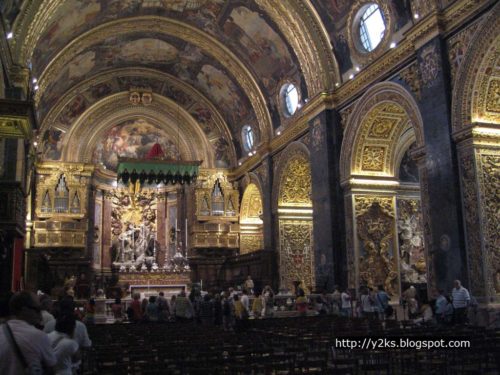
154,24
298,20
478,134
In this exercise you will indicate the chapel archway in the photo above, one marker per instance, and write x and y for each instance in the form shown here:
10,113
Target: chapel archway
381,179
295,225
251,236
476,130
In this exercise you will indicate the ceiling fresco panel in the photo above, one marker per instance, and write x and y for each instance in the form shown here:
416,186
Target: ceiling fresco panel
172,56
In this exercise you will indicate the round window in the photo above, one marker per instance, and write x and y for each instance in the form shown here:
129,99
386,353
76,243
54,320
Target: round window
290,99
371,27
248,137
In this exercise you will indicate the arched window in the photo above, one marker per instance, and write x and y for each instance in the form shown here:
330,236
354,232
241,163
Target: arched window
371,27
248,137
290,99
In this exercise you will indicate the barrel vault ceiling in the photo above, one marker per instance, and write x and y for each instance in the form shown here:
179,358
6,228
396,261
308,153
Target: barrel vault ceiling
222,61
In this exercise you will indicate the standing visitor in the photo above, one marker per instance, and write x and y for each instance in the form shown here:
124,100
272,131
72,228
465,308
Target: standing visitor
135,310
383,299
368,304
117,310
461,300
249,285
163,307
346,309
301,303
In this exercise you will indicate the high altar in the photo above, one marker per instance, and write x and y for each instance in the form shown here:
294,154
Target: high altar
128,236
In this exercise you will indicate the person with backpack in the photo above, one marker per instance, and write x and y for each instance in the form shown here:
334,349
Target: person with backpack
24,349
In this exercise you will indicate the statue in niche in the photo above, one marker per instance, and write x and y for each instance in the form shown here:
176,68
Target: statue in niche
377,265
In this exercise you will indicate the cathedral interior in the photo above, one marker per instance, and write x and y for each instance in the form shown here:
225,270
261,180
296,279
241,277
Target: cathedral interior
161,143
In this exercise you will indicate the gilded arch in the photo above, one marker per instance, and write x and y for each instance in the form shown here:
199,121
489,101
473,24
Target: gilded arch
251,209
292,199
80,141
378,119
476,129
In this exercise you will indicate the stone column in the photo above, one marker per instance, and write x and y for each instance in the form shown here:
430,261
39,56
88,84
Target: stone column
161,217
439,173
327,198
106,232
265,172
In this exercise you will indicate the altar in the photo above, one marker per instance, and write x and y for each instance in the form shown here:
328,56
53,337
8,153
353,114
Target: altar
148,284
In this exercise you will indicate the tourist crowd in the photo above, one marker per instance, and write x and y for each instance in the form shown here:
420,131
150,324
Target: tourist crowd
41,334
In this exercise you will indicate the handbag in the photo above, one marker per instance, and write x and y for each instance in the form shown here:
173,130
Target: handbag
29,369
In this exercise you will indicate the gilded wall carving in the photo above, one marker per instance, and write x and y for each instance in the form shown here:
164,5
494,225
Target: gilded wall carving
472,222
411,241
373,158
429,65
132,207
490,198
250,243
295,185
411,76
375,229
458,45
296,258
376,140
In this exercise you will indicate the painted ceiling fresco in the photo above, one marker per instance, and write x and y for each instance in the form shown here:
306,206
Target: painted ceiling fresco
172,56
240,26
334,14
84,98
132,138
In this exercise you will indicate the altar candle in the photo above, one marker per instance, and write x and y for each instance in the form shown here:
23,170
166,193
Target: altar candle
186,239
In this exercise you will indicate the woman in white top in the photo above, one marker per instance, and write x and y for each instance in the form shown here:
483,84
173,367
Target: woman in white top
346,304
65,348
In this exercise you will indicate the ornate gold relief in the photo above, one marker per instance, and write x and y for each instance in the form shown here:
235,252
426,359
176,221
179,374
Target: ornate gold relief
376,141
66,183
411,76
250,243
295,184
490,198
472,221
375,229
493,95
296,258
373,158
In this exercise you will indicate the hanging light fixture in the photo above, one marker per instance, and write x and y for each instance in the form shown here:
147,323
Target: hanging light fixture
156,169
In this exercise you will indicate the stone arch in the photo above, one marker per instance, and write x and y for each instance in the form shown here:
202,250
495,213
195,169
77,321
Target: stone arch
476,130
293,150
251,209
471,102
80,141
379,118
292,198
